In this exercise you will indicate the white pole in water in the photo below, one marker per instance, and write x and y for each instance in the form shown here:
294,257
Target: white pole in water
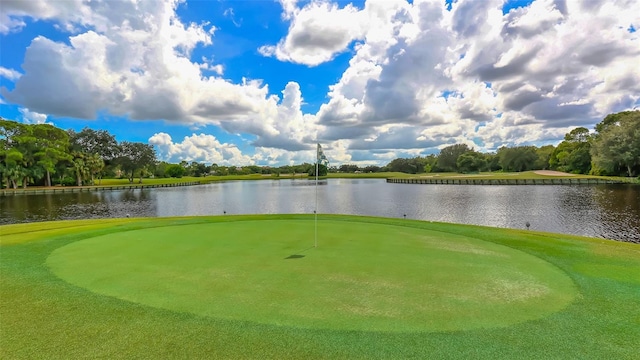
316,210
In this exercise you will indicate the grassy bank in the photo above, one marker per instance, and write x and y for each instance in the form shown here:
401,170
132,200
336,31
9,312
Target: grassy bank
254,287
525,175
213,178
382,175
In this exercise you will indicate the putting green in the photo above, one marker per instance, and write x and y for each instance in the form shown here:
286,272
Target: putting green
362,276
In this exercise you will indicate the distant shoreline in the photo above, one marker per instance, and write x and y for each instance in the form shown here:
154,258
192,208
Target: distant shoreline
453,178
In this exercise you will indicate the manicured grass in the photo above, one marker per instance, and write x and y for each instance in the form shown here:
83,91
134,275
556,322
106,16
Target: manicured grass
380,175
147,181
229,287
364,276
215,178
514,175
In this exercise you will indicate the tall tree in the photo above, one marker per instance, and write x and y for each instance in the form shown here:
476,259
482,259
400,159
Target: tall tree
471,161
94,164
79,167
447,160
410,166
519,158
544,156
53,146
493,161
12,168
9,155
134,157
322,170
573,154
21,140
174,170
616,144
91,141
99,142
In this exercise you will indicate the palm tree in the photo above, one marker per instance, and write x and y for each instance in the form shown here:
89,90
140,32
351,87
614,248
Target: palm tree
79,167
15,172
94,164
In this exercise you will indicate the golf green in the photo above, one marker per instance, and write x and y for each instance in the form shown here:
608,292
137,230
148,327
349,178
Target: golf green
362,276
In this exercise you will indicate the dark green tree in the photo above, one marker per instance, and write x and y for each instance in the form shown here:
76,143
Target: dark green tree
134,157
197,169
348,168
160,168
573,154
53,147
403,165
79,167
91,141
101,142
10,156
519,158
471,162
371,169
544,155
175,171
431,164
94,165
448,157
616,145
19,148
493,161
322,170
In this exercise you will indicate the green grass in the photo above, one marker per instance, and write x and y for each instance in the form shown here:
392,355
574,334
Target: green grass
381,175
513,175
220,287
363,277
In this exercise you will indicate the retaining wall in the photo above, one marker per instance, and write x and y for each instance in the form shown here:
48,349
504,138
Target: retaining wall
554,181
75,189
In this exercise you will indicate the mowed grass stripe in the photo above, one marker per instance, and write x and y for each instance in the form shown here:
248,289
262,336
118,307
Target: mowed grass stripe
42,316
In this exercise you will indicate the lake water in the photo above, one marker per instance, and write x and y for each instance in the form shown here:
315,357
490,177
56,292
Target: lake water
606,211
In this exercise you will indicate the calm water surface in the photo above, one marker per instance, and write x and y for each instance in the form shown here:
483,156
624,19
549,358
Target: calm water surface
607,211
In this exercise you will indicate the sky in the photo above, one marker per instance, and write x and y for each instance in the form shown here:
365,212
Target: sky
261,82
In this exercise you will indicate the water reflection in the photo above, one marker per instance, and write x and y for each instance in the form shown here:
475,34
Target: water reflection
609,211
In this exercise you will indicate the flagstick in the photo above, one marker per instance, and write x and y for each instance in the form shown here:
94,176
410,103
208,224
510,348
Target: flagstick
316,211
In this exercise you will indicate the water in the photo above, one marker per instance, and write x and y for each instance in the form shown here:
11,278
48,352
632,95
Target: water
606,211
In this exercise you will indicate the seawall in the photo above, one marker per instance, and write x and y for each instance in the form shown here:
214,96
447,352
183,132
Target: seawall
554,181
76,189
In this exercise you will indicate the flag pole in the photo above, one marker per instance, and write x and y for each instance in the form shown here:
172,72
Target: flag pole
316,210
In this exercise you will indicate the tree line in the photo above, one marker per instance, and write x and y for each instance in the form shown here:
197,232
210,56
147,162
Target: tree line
42,154
612,149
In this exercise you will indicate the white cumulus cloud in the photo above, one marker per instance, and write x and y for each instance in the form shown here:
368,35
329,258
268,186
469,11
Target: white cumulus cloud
318,31
201,148
9,74
32,117
420,76
475,75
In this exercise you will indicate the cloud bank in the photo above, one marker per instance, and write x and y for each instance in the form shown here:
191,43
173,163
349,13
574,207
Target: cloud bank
420,76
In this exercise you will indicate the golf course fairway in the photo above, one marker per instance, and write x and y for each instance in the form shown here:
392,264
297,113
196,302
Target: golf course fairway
256,287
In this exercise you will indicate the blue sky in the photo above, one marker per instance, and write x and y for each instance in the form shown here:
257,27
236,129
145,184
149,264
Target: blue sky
259,82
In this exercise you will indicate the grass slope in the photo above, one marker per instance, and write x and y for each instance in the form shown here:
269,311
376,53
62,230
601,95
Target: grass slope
524,175
43,316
